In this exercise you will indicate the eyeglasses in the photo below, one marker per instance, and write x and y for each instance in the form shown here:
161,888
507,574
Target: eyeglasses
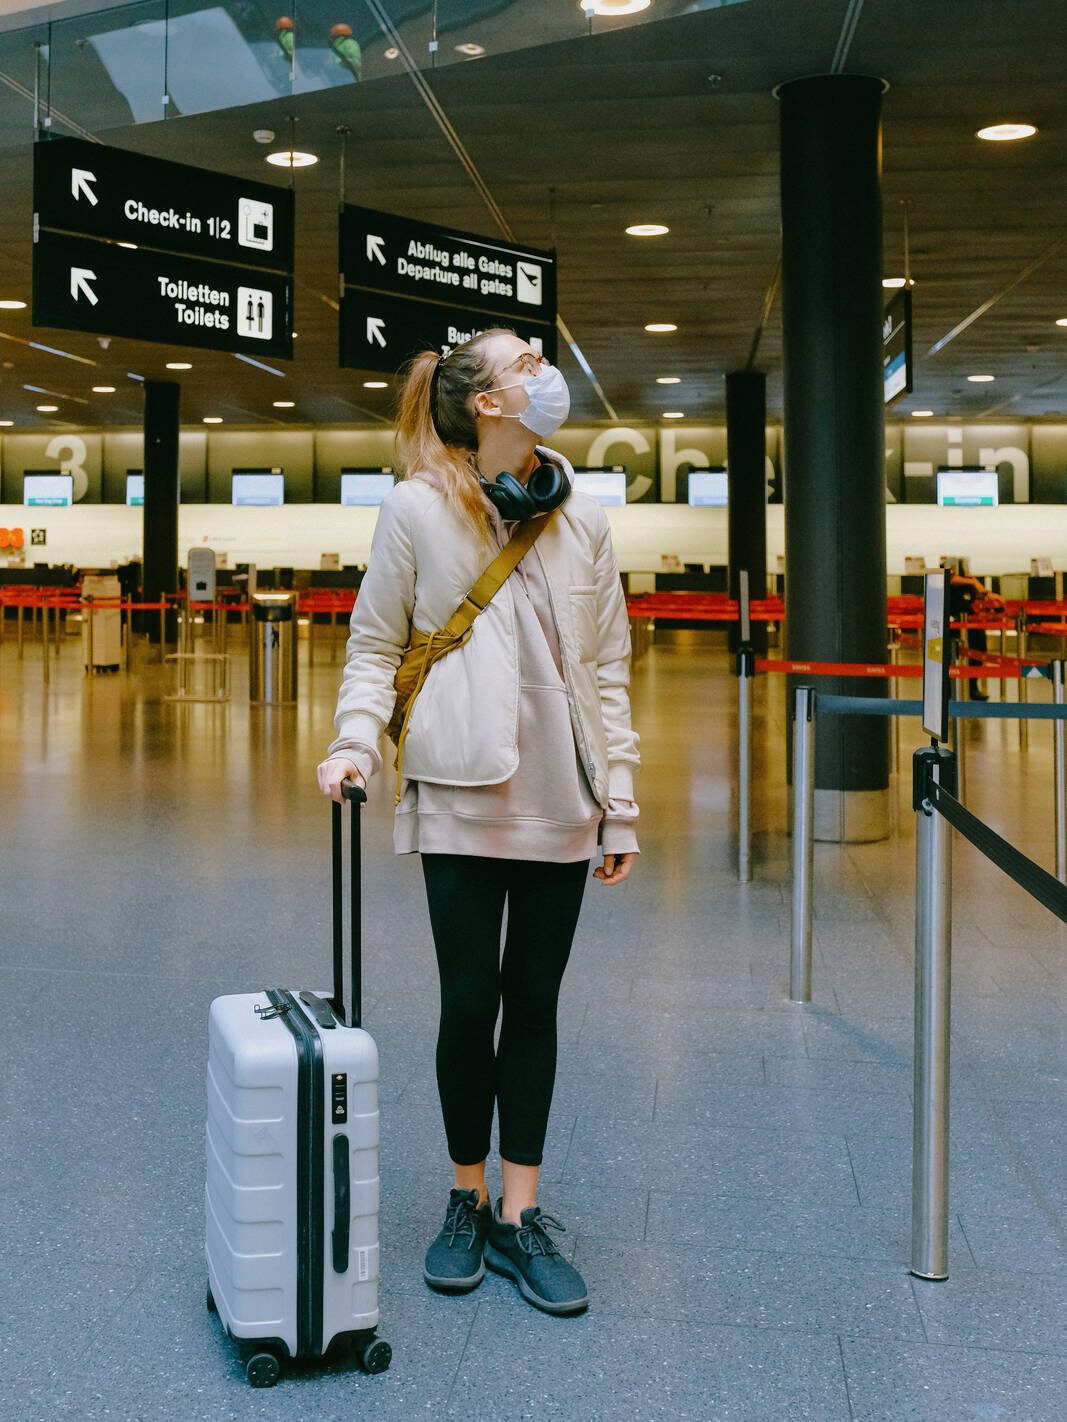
528,363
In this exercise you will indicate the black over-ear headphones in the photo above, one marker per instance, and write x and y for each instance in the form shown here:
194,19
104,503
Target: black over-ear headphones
545,490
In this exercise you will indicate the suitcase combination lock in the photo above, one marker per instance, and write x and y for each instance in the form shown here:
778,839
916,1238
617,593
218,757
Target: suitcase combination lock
265,1014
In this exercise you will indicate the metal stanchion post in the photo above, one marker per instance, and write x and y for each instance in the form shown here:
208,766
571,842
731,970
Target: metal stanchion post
1057,761
19,622
46,658
894,658
746,665
87,613
958,745
1024,690
803,841
933,975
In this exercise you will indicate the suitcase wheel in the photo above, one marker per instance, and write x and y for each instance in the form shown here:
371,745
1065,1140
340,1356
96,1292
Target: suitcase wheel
210,1301
263,1370
376,1356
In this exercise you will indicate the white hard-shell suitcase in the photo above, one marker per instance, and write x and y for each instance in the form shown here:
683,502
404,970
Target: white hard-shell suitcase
292,1162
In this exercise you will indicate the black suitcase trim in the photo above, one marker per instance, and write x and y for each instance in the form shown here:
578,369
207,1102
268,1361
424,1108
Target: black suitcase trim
310,1172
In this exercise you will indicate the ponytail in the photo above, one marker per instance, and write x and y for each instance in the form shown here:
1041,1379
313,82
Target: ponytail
436,433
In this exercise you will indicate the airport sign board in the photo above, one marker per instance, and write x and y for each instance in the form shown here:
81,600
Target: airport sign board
380,332
80,284
897,378
408,285
127,197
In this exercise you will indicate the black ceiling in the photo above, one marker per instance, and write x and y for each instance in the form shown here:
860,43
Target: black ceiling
672,121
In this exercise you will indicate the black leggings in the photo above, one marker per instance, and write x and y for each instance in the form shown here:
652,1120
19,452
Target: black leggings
466,895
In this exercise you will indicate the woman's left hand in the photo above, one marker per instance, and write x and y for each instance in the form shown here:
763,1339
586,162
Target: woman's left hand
615,868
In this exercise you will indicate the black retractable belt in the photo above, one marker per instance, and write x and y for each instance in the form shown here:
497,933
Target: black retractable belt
351,1015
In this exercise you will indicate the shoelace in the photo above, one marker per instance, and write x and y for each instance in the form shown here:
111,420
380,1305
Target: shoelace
533,1237
460,1220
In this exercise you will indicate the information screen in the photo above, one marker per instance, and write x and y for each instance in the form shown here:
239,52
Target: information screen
258,487
968,488
134,488
708,488
47,490
364,487
607,486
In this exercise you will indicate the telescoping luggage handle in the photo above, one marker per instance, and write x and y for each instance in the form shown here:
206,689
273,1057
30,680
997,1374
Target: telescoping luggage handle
349,1012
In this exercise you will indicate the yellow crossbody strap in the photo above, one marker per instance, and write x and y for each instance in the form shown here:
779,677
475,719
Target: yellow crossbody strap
476,601
494,577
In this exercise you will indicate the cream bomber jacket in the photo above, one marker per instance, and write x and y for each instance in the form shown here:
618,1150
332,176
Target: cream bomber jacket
464,726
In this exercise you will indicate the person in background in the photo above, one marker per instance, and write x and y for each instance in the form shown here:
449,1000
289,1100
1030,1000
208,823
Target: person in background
970,598
517,765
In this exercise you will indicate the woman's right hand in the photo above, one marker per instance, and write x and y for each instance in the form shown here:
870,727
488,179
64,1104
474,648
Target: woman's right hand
332,772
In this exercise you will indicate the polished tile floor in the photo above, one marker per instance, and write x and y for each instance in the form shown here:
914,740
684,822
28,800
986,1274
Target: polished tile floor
733,1169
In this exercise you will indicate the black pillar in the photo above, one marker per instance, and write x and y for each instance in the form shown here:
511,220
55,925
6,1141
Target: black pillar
746,456
834,438
161,493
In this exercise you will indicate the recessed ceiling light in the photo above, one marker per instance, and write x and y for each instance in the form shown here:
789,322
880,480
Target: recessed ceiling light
47,409
296,335
980,379
7,423
668,380
376,385
290,158
922,414
894,283
1006,132
674,415
610,8
103,390
283,404
659,328
132,245
179,365
647,229
392,52
472,51
212,419
1062,321
12,305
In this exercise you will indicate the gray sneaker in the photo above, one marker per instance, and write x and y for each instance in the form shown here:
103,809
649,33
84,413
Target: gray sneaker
526,1254
454,1259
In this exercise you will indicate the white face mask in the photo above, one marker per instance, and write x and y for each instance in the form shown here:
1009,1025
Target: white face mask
550,401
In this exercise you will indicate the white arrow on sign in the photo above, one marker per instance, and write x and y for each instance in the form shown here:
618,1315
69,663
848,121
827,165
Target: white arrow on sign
375,248
80,178
80,277
376,331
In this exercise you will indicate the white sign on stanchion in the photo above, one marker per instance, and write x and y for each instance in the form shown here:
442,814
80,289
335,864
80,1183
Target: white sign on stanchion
937,639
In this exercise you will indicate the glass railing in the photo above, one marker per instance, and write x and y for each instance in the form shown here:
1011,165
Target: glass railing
144,62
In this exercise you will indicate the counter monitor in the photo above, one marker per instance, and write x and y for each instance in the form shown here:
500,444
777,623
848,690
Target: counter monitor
364,486
968,488
262,487
47,490
708,488
607,486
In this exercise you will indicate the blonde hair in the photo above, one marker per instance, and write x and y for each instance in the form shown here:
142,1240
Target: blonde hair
436,432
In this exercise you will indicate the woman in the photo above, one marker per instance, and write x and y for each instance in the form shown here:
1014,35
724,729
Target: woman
518,758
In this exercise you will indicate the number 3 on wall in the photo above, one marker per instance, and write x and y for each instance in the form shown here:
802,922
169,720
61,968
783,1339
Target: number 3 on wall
71,453
12,538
